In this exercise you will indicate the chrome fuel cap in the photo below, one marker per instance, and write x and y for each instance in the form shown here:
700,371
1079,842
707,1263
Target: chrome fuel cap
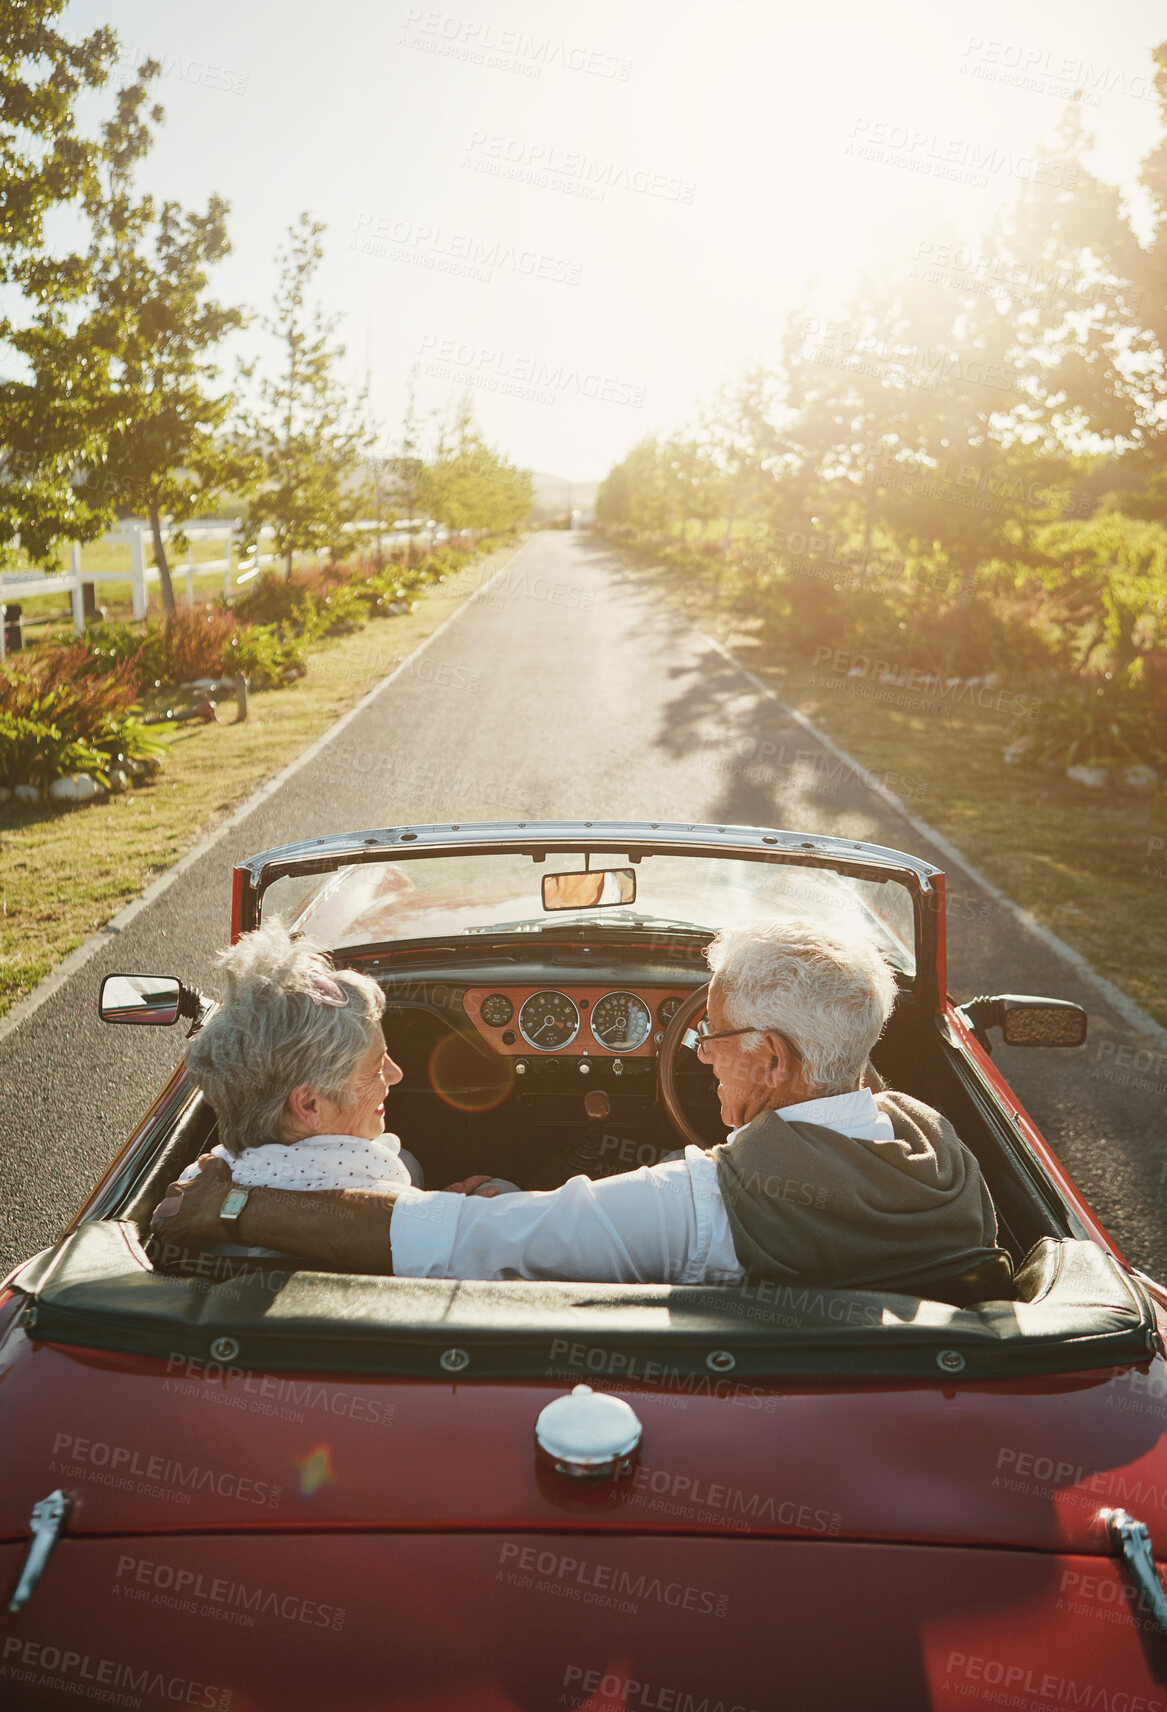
590,1435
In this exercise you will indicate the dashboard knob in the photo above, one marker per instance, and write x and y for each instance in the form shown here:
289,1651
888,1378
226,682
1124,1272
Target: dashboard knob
520,1066
585,1068
589,1435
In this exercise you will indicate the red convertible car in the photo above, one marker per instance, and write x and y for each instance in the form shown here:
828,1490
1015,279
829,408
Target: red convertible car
231,1484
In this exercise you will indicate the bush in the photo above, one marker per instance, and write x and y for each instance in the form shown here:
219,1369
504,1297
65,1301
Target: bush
265,656
57,718
196,643
34,752
1089,725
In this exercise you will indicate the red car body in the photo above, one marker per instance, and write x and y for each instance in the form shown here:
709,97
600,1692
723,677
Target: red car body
244,1534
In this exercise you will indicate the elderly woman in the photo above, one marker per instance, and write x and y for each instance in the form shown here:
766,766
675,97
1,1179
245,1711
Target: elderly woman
820,1178
295,1065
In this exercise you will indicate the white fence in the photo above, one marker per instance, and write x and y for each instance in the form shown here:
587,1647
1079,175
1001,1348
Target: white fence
28,585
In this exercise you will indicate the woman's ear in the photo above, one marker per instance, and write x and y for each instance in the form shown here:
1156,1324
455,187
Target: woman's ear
302,1110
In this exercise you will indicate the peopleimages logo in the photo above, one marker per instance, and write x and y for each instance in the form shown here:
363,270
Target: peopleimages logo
197,1594
122,1466
35,1663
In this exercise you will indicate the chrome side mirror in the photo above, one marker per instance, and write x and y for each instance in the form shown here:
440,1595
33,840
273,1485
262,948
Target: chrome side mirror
153,1000
1026,1021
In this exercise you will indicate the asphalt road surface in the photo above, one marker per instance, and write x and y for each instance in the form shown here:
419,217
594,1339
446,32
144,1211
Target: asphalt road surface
564,690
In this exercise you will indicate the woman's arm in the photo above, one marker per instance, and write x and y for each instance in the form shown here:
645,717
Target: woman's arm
346,1230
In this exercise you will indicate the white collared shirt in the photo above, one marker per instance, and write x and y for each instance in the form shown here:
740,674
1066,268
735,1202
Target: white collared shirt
663,1224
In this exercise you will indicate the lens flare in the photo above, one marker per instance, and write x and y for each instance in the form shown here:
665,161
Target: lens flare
467,1078
315,1470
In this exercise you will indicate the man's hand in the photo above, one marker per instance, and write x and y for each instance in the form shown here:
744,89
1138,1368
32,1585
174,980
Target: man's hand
189,1213
472,1186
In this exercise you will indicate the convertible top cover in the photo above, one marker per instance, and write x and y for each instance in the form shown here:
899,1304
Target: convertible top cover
1075,1309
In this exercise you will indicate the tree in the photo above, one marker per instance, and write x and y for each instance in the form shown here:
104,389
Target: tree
166,452
470,486
43,162
48,427
308,430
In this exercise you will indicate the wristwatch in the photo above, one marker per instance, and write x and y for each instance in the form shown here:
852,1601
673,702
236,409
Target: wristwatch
234,1202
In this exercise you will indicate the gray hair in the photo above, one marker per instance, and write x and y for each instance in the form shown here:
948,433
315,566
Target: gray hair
289,1018
828,990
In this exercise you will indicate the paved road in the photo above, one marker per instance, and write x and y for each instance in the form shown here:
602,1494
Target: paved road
565,690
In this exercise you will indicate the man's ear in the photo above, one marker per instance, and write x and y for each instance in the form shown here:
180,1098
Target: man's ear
778,1064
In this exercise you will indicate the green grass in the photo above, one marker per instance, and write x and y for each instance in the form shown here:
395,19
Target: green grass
65,872
1083,862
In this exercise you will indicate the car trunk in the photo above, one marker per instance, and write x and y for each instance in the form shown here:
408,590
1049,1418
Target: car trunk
497,1620
313,1513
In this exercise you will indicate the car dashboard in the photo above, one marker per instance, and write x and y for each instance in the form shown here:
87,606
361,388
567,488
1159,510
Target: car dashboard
539,1063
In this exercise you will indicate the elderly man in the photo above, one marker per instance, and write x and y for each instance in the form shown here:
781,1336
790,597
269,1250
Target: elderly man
819,1179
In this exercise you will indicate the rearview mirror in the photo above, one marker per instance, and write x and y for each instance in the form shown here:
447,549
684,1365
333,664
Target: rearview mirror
593,890
1026,1021
151,999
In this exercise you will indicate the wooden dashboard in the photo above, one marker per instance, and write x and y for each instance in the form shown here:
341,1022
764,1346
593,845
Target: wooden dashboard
573,1021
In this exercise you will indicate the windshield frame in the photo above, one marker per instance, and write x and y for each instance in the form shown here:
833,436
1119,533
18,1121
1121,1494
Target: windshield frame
923,881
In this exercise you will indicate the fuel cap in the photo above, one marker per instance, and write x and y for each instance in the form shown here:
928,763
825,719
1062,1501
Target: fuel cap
589,1435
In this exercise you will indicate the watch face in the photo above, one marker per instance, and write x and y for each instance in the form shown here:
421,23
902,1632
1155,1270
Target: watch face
234,1202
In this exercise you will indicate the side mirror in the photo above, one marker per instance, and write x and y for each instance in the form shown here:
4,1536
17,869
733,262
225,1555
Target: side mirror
155,1000
1026,1021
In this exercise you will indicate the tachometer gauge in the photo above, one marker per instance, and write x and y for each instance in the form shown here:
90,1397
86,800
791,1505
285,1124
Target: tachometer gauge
621,1022
548,1021
496,1010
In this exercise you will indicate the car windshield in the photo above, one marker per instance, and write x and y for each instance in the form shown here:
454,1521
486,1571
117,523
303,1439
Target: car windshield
435,897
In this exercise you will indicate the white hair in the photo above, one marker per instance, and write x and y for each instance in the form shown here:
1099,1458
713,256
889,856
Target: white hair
828,990
288,1019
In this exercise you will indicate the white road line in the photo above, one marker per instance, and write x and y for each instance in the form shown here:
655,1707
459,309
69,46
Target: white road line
1126,1007
78,959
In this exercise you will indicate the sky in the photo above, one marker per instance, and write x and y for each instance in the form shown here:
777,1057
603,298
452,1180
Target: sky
592,215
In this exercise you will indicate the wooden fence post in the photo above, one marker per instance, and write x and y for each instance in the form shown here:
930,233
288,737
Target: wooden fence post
189,578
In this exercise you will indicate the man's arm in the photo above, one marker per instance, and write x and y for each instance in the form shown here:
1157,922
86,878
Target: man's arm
346,1230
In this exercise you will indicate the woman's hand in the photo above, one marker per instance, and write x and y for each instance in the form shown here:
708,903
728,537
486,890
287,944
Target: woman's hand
189,1213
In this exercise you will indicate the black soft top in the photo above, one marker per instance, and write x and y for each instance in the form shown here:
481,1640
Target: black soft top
1075,1309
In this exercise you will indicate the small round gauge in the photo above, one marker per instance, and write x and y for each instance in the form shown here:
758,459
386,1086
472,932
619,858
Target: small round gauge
496,1010
548,1021
667,1010
621,1022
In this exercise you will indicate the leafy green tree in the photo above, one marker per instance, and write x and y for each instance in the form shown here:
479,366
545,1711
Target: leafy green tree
309,429
470,486
166,452
51,376
43,161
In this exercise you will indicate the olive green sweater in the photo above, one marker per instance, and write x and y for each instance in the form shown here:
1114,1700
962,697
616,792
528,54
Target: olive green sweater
806,1202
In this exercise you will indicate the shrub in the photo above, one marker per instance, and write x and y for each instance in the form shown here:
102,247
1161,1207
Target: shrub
1088,725
265,656
35,752
195,643
57,718
111,644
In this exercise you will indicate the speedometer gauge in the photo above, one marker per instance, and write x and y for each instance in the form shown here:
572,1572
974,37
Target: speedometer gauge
548,1021
621,1022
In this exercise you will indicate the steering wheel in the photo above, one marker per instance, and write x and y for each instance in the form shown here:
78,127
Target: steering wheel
684,1018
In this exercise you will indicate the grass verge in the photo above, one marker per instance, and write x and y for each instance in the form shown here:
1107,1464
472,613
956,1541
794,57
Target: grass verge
1090,865
65,872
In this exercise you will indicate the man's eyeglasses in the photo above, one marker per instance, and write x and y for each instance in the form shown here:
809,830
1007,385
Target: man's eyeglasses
700,1036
